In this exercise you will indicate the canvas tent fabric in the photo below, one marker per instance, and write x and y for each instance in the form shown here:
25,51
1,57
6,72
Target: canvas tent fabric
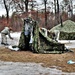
41,43
66,32
25,41
68,26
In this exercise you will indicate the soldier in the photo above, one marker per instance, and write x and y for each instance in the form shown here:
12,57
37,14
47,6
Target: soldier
4,32
27,32
25,41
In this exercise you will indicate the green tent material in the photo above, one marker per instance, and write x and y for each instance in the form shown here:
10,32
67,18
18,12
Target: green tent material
67,31
41,43
68,26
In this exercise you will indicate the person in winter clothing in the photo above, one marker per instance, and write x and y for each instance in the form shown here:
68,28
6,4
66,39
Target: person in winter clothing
4,33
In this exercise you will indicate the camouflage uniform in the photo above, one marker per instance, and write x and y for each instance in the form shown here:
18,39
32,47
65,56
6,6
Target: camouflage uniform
24,42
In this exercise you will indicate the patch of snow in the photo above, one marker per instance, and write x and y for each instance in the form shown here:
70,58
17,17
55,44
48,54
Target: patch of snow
68,43
14,49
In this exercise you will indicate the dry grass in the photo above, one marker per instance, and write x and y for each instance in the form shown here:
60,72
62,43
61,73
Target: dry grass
49,60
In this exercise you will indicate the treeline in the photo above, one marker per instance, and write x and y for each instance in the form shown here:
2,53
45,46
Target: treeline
53,13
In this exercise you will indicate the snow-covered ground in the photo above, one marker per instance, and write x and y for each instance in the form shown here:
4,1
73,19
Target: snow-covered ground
68,43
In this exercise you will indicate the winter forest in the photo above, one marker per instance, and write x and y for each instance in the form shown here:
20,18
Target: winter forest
48,13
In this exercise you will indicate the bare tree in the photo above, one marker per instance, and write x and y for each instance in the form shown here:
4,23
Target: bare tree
21,5
55,6
7,5
45,2
26,4
68,7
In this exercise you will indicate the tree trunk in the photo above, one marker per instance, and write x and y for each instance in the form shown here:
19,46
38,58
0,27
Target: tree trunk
7,11
26,5
57,11
7,16
45,1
